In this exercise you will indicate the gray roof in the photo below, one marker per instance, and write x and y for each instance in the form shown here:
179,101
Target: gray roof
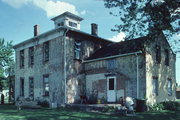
123,47
59,28
69,15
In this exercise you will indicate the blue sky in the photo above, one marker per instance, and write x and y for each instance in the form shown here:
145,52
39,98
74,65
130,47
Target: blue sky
17,18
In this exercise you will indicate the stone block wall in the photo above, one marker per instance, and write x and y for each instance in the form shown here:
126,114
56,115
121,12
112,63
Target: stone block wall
159,70
125,73
54,68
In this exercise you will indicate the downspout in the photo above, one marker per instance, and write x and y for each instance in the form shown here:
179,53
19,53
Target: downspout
137,77
65,74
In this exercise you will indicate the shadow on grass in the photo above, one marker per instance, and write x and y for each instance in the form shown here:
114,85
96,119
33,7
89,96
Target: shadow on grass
8,112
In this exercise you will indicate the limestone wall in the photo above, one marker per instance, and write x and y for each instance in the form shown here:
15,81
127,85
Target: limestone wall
160,71
54,68
125,73
75,67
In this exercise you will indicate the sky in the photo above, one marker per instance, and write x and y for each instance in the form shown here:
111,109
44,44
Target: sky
17,18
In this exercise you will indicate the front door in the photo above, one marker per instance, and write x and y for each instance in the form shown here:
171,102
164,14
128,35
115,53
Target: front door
111,89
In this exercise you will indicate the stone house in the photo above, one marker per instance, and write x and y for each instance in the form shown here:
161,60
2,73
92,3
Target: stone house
64,63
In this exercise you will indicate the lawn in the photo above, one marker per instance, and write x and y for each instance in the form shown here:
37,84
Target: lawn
9,112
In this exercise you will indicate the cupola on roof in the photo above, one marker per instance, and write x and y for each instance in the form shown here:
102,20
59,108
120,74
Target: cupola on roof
67,19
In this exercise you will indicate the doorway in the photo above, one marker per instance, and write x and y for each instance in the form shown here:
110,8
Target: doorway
111,89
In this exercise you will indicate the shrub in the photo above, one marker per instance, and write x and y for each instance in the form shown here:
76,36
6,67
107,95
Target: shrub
103,100
166,105
171,105
109,109
156,107
43,103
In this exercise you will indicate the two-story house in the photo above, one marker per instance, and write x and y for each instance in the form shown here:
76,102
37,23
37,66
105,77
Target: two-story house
64,63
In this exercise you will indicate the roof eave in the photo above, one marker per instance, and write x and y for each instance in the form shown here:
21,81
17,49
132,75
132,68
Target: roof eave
36,37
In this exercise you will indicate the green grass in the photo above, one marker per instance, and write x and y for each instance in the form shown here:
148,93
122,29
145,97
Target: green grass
9,112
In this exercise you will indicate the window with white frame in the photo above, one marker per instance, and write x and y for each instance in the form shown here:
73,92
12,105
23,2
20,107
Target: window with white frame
169,87
155,86
77,50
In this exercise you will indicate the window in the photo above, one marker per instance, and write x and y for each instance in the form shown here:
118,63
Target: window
158,54
46,85
21,86
111,64
31,56
61,24
169,87
111,84
31,87
21,58
155,86
46,52
77,50
72,24
166,57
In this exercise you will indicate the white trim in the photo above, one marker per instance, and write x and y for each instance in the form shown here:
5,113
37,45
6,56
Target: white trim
114,56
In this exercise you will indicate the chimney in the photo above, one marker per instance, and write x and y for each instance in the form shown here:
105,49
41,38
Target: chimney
94,29
36,30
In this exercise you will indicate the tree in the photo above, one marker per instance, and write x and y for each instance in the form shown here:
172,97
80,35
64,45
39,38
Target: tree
141,17
6,61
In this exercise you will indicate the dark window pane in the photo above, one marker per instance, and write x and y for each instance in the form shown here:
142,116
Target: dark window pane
77,50
31,87
111,84
169,87
31,56
166,57
155,87
21,58
72,24
158,54
46,51
46,85
21,86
